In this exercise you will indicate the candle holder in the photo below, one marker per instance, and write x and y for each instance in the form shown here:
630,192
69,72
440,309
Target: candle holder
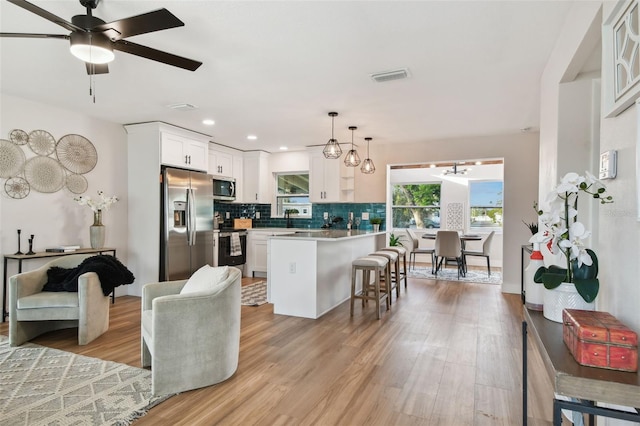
30,252
19,251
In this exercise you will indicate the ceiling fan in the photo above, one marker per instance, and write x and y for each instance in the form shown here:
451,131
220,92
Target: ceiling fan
93,40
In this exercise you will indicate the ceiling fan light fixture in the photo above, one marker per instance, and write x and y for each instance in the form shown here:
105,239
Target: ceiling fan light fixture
91,48
352,159
332,149
454,170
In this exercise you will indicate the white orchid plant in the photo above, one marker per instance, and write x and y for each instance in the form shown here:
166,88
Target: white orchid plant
562,231
103,203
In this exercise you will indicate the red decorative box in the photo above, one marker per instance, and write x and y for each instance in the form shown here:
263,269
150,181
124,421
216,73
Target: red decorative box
598,339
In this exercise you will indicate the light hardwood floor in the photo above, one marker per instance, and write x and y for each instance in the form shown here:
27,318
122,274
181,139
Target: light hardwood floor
447,353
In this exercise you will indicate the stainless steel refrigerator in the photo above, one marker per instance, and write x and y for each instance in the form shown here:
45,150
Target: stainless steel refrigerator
186,240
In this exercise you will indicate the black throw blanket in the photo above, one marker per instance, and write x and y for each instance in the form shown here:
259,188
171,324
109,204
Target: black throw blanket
110,270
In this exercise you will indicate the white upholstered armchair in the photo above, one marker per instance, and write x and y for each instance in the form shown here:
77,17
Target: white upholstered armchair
191,334
33,312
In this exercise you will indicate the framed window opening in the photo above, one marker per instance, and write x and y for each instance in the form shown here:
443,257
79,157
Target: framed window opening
416,205
485,204
292,194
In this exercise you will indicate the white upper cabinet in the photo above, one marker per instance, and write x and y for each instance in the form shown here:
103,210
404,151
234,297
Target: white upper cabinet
183,151
220,163
257,180
330,180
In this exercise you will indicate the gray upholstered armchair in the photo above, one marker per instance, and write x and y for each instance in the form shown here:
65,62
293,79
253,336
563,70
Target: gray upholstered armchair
191,340
33,312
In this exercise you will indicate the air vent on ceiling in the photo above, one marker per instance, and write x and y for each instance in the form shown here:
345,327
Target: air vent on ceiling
381,77
182,107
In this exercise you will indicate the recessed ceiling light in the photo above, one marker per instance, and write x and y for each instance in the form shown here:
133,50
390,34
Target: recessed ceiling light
252,137
283,148
208,122
432,166
478,163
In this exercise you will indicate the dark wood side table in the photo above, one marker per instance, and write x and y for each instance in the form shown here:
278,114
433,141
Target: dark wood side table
589,385
43,255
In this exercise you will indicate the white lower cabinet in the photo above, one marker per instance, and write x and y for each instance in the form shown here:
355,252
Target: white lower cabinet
257,255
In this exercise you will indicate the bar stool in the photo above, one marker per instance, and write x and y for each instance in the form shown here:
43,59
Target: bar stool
391,277
368,264
402,252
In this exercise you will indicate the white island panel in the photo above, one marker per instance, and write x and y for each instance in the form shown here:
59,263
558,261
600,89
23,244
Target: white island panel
310,276
291,277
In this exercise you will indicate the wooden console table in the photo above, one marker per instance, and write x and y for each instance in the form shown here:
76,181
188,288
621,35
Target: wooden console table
42,255
588,384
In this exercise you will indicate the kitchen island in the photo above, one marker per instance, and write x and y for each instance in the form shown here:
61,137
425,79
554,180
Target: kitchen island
309,272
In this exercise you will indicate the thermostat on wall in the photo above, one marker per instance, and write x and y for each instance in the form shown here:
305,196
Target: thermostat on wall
608,164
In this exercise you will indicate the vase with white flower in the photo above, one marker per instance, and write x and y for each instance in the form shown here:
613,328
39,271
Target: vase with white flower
97,230
576,285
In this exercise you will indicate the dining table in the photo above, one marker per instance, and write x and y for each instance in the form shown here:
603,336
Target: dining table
463,238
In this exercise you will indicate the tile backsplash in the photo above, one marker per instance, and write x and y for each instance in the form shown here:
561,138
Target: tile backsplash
316,221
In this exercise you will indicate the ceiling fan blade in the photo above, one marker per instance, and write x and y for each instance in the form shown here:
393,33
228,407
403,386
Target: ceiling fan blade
96,68
30,35
46,15
156,55
157,20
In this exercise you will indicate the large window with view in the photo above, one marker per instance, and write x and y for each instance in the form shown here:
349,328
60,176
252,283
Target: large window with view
292,194
485,201
416,205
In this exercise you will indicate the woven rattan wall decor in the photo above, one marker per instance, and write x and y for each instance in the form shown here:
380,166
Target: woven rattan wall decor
35,161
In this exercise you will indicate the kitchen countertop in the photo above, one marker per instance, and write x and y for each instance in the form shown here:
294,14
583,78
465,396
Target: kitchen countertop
325,234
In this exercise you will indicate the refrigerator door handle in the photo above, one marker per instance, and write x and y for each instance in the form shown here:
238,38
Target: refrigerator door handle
189,217
192,217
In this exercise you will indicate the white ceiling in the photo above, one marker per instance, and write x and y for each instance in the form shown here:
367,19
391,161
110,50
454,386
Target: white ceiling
275,69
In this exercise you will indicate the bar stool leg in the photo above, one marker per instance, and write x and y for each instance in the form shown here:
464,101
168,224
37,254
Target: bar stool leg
377,294
353,288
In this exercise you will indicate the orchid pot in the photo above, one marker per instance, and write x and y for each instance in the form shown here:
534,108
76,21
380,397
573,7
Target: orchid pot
563,233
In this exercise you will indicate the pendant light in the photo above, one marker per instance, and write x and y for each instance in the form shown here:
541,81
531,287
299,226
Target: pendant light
352,159
332,148
367,165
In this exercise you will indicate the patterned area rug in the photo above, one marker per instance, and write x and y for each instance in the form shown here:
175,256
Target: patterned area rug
44,386
254,294
451,274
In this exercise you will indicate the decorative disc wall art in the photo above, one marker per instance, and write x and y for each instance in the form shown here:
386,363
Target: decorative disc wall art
19,137
16,187
56,165
11,159
41,142
76,154
44,174
76,183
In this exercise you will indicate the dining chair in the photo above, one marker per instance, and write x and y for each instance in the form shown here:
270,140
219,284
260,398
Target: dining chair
486,249
448,246
416,249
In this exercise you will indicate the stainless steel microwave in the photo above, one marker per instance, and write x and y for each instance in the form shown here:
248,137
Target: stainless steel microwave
224,188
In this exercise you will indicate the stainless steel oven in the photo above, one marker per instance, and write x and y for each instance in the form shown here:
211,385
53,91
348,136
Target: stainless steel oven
224,248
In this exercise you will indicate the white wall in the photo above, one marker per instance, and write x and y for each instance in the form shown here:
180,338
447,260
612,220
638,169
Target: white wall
294,161
619,233
55,218
616,229
520,154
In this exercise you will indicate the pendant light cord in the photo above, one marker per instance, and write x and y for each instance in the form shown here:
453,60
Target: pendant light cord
92,71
